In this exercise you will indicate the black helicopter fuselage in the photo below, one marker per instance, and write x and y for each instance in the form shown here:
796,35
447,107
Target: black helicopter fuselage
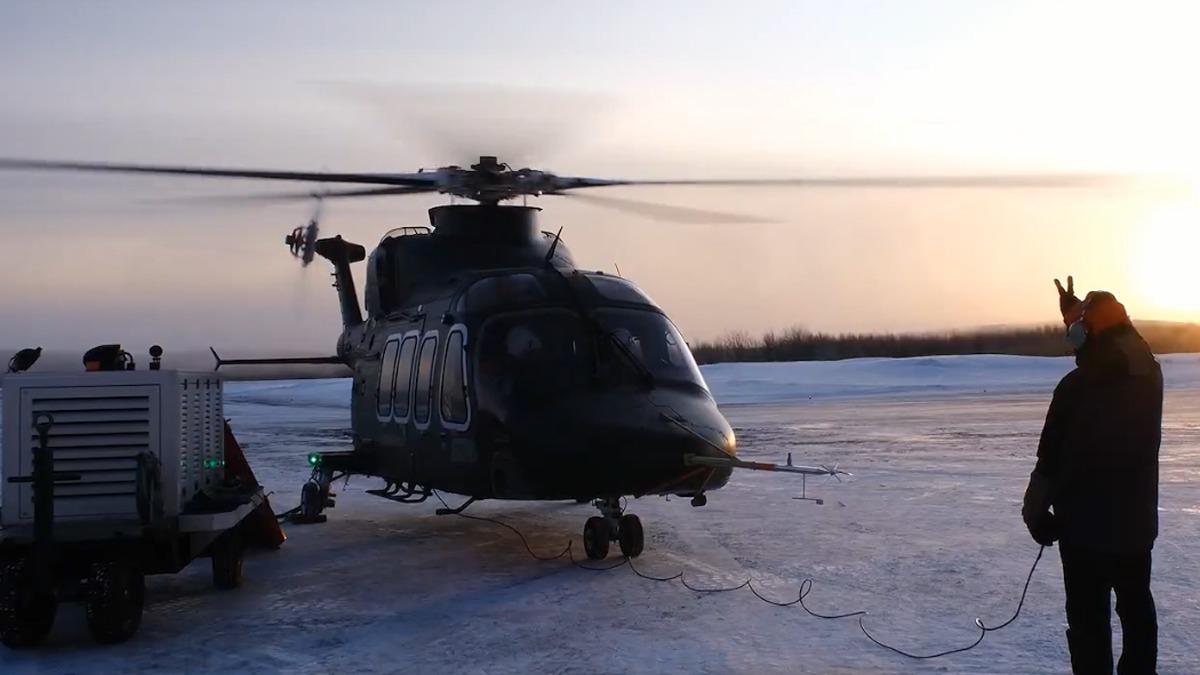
488,365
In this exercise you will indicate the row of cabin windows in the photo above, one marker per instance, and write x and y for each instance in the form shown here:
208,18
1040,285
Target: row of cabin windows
398,394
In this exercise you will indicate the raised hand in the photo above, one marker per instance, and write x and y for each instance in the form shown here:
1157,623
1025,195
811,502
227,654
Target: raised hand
1066,296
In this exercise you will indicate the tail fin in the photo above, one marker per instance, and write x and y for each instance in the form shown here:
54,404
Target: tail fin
341,253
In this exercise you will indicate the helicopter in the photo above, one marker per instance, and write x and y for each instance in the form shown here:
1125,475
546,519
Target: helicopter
487,364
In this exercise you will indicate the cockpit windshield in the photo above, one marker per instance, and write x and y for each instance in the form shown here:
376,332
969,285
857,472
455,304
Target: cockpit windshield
652,339
535,355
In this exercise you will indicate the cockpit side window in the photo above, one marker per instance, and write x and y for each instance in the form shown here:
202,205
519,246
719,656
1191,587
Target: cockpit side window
387,371
508,290
423,394
455,407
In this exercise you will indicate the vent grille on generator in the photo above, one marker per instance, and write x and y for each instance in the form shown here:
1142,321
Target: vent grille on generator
99,438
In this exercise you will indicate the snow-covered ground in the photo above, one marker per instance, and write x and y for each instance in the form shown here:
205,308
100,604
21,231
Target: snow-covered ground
926,537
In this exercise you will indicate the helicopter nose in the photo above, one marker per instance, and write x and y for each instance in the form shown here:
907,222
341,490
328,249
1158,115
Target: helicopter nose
614,444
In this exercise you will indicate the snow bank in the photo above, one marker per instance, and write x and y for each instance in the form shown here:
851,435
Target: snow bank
783,382
929,375
323,393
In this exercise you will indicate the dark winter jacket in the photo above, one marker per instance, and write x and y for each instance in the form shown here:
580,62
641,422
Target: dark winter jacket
1098,454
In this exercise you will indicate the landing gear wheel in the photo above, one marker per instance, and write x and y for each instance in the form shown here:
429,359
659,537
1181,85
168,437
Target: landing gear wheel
630,535
26,615
596,535
310,501
115,598
228,559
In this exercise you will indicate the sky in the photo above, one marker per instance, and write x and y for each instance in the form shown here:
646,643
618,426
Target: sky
626,89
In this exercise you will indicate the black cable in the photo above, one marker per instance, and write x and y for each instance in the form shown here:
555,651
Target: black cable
983,629
806,586
593,568
503,524
285,514
921,657
777,603
673,577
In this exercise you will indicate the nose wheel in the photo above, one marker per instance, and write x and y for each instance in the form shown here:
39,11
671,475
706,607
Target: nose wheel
611,525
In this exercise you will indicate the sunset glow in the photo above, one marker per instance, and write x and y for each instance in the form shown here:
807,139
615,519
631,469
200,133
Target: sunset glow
768,89
1166,265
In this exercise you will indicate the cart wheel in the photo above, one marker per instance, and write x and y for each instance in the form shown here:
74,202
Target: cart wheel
26,615
115,598
228,556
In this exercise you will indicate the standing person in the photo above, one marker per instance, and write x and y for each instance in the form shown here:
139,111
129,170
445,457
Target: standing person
1097,466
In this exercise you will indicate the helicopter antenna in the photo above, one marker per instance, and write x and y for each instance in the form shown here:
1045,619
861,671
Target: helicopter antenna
553,246
618,270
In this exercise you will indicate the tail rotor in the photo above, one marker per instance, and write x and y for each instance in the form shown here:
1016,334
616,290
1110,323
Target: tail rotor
302,242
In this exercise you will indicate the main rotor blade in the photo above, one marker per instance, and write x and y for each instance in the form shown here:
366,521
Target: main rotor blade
678,214
412,179
522,125
302,196
996,181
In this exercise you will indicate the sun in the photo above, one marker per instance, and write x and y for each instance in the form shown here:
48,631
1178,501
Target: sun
1167,267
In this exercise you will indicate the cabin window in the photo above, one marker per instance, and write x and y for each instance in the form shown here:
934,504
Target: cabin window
387,374
423,395
621,290
512,289
402,389
454,380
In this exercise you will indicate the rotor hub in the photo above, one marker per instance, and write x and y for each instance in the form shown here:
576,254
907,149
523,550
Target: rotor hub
491,181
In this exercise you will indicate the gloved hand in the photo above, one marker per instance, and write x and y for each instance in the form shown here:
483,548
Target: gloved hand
1035,510
1067,300
1043,527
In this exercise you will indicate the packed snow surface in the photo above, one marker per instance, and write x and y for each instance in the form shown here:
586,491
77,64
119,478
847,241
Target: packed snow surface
926,537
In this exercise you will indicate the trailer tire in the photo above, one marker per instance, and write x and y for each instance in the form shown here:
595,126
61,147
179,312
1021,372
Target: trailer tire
26,616
228,559
116,596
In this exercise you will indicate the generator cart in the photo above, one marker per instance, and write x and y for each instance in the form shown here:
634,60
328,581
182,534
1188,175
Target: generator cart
111,476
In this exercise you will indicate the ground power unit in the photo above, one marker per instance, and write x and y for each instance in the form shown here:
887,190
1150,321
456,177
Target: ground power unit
110,476
119,433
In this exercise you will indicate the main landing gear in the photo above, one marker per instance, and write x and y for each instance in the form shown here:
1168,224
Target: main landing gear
611,525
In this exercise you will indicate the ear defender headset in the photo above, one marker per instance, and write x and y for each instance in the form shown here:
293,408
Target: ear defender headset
1098,312
1077,332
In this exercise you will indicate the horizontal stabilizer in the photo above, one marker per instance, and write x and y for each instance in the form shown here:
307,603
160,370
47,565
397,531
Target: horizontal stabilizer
283,361
336,248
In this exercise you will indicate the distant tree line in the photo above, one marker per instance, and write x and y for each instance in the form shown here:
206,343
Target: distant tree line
797,344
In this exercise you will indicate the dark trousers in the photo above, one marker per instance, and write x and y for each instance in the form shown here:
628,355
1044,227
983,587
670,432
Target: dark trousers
1090,578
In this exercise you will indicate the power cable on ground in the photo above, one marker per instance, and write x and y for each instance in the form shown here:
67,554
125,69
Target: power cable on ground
806,586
